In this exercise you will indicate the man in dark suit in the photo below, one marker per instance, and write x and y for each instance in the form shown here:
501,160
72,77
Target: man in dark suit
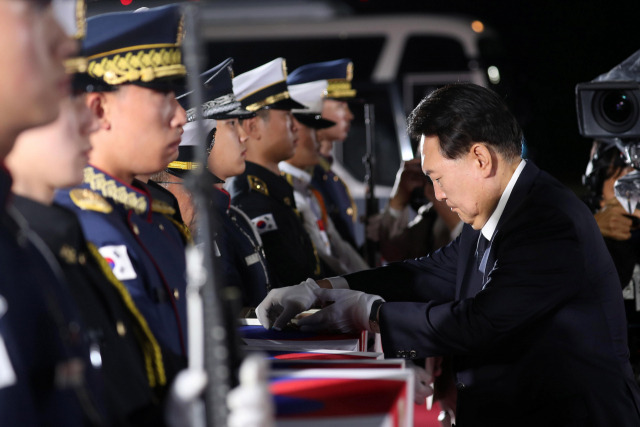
526,299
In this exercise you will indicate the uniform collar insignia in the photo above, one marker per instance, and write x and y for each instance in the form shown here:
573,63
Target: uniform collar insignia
110,188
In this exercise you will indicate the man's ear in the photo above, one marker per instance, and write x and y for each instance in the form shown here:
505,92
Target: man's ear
483,157
98,104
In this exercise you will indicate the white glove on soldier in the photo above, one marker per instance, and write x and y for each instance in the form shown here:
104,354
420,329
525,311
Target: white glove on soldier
184,402
250,403
283,304
349,311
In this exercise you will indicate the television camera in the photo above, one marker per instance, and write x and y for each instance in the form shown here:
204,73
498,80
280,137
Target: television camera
609,111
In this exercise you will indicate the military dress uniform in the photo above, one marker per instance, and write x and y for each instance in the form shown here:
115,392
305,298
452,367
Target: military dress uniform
340,205
132,230
335,77
136,235
244,263
269,201
46,374
131,359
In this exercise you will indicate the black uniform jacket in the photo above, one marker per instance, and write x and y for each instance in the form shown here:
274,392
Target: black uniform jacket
47,378
268,200
540,339
131,359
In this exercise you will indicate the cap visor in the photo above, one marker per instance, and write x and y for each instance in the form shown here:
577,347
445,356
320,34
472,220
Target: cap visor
314,121
238,113
286,104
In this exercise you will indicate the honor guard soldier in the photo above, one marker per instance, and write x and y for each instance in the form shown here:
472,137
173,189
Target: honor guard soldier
46,374
135,63
260,192
242,260
53,156
337,76
338,256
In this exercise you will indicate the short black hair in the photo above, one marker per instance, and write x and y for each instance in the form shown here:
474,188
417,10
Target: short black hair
461,114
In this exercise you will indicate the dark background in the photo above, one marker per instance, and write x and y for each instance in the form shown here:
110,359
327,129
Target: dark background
548,47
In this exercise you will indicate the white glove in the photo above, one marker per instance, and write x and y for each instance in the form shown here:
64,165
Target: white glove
423,384
348,313
184,403
250,403
282,304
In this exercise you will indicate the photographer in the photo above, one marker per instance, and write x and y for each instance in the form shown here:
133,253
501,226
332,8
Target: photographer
620,231
608,109
433,227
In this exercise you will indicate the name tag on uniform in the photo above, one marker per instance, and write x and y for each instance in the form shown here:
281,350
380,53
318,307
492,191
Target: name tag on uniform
251,259
118,259
264,223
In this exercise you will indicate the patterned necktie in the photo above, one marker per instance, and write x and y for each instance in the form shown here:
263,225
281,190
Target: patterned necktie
481,261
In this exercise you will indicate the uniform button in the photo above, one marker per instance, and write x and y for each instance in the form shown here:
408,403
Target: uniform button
161,227
461,386
335,178
122,330
350,211
401,353
325,177
176,294
135,229
413,354
82,259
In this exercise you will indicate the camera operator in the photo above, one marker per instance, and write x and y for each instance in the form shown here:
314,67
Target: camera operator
609,112
621,232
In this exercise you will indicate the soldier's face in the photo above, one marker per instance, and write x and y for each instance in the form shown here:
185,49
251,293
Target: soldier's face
279,134
229,150
33,77
54,155
306,149
339,112
145,128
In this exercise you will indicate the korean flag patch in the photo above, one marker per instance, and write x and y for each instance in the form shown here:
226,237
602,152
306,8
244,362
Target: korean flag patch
119,261
265,223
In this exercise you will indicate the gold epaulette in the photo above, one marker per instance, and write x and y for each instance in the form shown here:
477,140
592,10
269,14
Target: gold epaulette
288,177
86,199
256,184
162,207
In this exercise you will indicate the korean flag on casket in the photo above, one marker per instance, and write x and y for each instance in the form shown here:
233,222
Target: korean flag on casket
343,397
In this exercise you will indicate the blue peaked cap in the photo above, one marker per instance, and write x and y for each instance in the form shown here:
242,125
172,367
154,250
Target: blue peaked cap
338,74
142,47
219,101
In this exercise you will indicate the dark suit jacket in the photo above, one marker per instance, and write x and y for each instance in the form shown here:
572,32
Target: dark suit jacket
544,342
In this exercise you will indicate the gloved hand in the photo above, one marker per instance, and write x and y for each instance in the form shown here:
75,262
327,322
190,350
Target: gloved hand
423,382
349,311
184,403
282,304
250,403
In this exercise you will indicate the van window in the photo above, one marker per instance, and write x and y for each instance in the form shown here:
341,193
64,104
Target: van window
249,54
432,53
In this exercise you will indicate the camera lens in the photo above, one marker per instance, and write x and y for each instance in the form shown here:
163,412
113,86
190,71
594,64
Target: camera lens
615,110
616,106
